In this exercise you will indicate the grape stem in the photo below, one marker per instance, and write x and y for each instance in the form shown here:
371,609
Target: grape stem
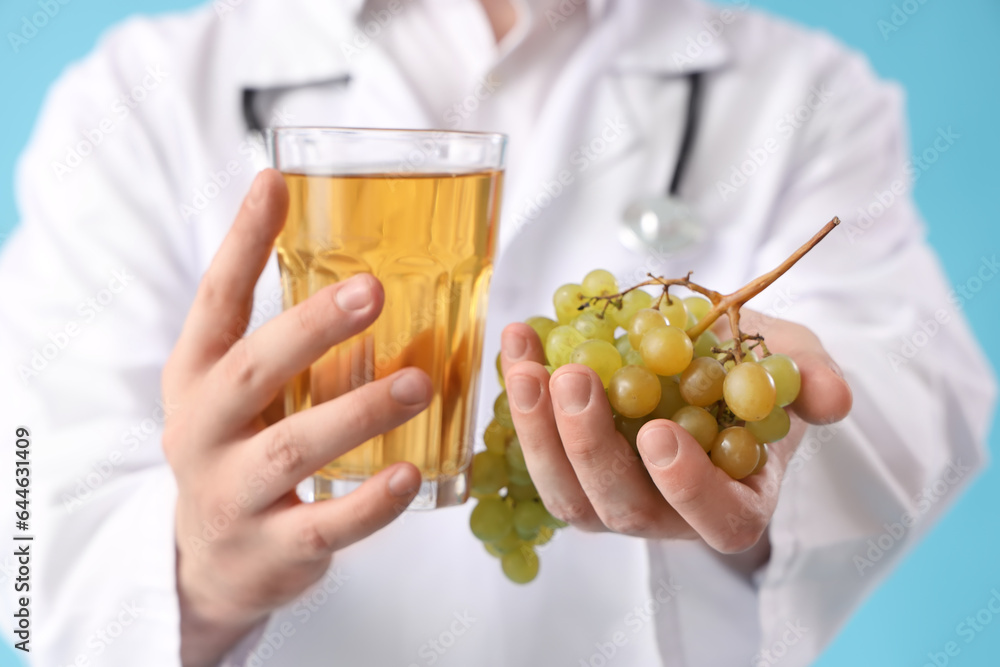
724,304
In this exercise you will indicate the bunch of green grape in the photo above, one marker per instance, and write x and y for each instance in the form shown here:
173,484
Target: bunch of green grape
509,517
732,404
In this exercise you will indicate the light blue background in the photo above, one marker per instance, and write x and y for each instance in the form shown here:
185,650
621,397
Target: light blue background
947,56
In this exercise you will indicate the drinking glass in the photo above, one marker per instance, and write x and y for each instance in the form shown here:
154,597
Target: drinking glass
419,211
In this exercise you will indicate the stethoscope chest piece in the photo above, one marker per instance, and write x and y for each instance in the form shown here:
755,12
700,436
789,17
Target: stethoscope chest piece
662,224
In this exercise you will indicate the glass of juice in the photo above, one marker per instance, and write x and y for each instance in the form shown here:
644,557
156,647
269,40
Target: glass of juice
419,211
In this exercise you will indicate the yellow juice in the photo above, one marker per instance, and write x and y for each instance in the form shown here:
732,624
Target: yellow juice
429,238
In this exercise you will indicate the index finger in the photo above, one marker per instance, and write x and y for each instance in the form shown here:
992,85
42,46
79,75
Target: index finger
222,305
824,397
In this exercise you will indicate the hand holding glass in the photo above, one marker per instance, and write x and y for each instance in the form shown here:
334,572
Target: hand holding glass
419,211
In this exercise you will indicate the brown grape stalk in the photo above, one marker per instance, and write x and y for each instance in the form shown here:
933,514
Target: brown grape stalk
722,304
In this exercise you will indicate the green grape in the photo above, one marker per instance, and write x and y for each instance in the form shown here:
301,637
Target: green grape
496,436
521,565
491,519
666,351
700,423
703,346
642,323
600,283
787,379
736,452
633,358
544,535
501,411
674,310
542,326
500,371
763,458
632,303
515,458
601,356
592,325
697,308
670,399
622,344
505,545
560,344
489,474
518,477
634,391
567,301
771,428
520,492
529,517
701,382
749,392
629,428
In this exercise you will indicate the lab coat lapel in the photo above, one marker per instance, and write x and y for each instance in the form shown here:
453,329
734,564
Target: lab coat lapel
314,42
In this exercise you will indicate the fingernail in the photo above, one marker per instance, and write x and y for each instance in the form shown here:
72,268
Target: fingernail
515,346
354,293
403,483
409,389
525,392
836,369
659,446
572,392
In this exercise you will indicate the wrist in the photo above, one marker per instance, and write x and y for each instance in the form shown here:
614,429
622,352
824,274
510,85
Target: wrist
209,626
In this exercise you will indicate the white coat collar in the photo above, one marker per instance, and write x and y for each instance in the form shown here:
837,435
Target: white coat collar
674,37
307,41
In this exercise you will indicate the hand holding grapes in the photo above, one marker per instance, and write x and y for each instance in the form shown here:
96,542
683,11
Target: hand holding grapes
587,474
660,432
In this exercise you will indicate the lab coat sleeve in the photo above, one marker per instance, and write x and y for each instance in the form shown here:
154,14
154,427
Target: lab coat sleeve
860,493
96,283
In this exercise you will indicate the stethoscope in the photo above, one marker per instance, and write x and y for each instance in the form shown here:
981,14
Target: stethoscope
661,224
664,224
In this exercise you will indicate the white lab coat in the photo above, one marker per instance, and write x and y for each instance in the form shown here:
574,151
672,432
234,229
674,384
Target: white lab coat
99,276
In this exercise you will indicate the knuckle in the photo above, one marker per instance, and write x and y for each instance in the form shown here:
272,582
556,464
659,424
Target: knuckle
212,291
309,314
313,544
740,540
365,514
172,443
687,492
631,522
283,451
242,364
362,413
577,514
585,451
168,443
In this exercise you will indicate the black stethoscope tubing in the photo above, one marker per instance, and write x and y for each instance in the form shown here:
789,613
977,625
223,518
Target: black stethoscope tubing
692,115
